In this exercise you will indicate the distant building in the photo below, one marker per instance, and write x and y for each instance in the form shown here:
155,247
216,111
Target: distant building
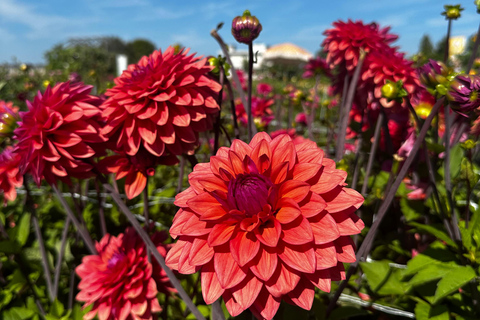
240,57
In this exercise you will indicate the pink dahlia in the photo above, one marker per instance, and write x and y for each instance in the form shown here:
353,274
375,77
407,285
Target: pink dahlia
261,111
265,221
10,175
346,40
57,133
161,103
316,66
119,282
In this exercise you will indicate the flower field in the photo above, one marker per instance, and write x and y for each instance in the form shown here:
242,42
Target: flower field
342,187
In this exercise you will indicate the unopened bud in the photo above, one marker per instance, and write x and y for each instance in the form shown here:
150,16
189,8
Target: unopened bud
246,28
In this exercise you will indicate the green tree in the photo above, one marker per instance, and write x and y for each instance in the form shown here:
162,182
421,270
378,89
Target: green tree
426,47
138,48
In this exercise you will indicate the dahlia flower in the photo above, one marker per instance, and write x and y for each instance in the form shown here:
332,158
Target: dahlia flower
10,175
434,74
344,43
261,111
264,89
57,133
464,93
161,103
246,28
265,221
8,118
119,282
316,66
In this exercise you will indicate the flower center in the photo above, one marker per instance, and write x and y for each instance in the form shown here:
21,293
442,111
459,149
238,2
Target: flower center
249,193
116,257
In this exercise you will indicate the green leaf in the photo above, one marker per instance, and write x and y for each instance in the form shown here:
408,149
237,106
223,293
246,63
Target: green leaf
57,309
204,310
22,313
9,247
411,210
23,229
423,311
376,272
452,281
429,273
435,231
456,156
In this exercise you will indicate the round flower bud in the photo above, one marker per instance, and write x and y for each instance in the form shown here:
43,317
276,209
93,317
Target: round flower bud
246,28
463,93
389,90
452,12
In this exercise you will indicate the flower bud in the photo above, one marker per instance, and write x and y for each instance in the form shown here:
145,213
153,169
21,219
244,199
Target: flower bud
8,119
477,3
452,12
463,93
246,28
389,90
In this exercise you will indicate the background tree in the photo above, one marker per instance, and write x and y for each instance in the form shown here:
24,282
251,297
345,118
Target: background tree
138,48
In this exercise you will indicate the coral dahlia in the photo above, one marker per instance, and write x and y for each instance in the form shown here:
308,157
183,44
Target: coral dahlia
10,176
161,103
57,133
265,221
119,281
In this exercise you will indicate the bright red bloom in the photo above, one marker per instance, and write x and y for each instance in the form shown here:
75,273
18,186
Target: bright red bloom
344,42
265,222
10,175
261,111
264,89
161,103
119,281
56,134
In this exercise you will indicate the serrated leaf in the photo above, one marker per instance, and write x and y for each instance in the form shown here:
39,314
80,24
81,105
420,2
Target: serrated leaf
452,281
23,229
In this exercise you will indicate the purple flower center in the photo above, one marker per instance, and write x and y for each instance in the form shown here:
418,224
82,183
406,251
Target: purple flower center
116,257
249,193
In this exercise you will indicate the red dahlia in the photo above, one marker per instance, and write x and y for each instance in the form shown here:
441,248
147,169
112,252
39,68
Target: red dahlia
344,43
57,133
10,176
161,103
119,281
265,222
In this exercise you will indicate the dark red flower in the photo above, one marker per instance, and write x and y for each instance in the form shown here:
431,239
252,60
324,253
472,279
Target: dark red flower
119,282
344,43
161,103
265,221
10,175
57,133
316,66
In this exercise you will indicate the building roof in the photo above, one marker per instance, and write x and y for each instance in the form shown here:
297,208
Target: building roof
287,51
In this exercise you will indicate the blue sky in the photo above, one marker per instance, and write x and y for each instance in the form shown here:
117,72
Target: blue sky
28,28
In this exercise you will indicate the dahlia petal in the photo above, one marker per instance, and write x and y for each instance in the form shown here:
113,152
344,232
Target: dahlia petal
246,292
173,255
324,228
156,148
312,205
151,288
310,156
200,253
345,249
217,163
202,182
326,256
345,224
125,310
134,184
279,173
283,280
329,180
297,232
233,307
284,153
149,110
50,153
261,155
241,148
181,117
183,197
133,144
213,214
162,113
301,258
321,279
147,131
306,171
81,150
221,233
104,311
303,295
202,202
340,199
183,262
228,271
66,139
296,190
167,133
265,263
265,305
211,288
236,161
269,232
289,210
58,170
244,247
195,227
140,308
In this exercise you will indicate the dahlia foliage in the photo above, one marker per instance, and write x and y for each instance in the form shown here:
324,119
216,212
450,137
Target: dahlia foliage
265,222
120,282
57,135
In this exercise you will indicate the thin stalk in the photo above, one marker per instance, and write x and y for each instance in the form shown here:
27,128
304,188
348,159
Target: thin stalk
445,57
71,289
474,51
233,109
448,182
101,209
192,159
226,134
249,107
41,243
219,116
146,215
370,237
217,312
81,230
58,265
343,123
358,154
181,174
150,245
373,150
224,48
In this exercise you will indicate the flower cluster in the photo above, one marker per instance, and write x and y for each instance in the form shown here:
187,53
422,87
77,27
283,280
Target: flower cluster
10,175
265,221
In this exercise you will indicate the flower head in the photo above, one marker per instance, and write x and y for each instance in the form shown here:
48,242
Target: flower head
246,28
8,118
161,103
452,12
264,89
119,282
464,93
434,76
57,133
10,175
261,111
316,66
346,40
265,221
